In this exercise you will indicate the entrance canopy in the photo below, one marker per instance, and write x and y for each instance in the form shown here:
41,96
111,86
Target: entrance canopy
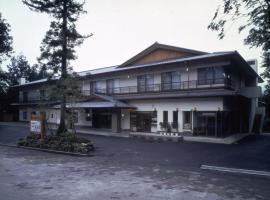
98,101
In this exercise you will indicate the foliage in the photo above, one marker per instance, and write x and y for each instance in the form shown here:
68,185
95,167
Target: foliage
166,126
5,39
257,14
3,82
5,51
57,47
18,68
63,142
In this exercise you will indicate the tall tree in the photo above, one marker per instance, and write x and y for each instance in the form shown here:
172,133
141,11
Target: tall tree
5,51
60,40
5,39
257,15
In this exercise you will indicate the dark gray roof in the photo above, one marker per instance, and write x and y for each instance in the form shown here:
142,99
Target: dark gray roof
96,104
158,63
104,102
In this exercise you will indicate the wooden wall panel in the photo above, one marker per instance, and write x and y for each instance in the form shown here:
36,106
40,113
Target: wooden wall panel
158,55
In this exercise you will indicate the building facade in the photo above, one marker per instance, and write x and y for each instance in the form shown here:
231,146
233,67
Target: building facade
188,91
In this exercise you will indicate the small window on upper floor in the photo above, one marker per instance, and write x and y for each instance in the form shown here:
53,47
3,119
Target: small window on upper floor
171,80
211,75
42,94
145,83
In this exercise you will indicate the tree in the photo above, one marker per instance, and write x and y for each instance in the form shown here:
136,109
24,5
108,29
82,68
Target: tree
3,82
5,39
5,51
60,40
18,68
257,14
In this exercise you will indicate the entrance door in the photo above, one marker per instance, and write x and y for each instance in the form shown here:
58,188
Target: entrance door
144,120
210,126
102,119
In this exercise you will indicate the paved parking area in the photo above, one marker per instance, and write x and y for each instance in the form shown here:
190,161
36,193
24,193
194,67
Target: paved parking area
125,168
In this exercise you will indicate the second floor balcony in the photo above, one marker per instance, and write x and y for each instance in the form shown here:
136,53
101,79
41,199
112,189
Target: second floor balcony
165,87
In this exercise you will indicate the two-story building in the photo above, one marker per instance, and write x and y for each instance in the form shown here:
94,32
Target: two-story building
210,94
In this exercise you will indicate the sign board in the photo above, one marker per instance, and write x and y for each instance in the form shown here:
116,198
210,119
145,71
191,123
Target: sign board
35,126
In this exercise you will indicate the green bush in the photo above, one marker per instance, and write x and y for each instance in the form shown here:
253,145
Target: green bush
63,142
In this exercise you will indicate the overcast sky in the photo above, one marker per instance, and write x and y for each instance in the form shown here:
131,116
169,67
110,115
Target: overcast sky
123,28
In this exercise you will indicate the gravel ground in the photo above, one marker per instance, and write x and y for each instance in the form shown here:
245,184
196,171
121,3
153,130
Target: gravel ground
133,169
32,175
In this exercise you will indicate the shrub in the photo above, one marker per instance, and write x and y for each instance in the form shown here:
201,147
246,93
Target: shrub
63,142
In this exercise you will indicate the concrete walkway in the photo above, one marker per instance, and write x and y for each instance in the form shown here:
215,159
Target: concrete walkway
89,131
227,140
19,124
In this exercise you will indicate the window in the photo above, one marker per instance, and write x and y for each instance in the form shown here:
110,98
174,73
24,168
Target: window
112,86
145,82
209,75
100,87
51,115
171,80
154,118
25,96
175,119
187,120
165,116
25,115
42,94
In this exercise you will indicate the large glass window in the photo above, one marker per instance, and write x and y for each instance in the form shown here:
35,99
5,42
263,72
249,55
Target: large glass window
171,80
110,86
187,120
175,120
210,75
165,116
99,87
145,83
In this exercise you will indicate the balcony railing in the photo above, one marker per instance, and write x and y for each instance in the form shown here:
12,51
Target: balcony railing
165,87
33,98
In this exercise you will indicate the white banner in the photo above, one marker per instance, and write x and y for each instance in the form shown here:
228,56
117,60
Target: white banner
35,126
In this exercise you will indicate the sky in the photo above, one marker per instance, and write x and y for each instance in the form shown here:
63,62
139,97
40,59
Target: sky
123,28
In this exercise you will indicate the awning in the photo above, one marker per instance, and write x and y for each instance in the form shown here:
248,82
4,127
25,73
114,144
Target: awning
98,101
100,104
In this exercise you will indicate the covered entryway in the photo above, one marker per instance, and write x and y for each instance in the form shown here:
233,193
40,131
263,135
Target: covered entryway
105,112
102,118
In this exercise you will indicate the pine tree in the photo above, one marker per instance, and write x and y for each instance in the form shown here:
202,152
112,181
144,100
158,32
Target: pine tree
57,47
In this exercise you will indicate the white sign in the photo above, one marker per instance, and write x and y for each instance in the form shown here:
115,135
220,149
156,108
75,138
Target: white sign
35,126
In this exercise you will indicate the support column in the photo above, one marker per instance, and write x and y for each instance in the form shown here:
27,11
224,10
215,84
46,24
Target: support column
116,121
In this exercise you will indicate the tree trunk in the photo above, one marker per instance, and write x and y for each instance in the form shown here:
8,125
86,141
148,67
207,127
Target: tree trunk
62,127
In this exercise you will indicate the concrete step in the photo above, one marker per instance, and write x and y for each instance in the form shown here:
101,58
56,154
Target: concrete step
155,137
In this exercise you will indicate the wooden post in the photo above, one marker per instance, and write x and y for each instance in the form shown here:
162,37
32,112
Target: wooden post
42,124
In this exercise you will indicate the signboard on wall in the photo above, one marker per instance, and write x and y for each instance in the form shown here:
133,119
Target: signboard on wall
35,126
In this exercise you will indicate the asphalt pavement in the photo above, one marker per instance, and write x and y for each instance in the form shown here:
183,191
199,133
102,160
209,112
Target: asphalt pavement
124,168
